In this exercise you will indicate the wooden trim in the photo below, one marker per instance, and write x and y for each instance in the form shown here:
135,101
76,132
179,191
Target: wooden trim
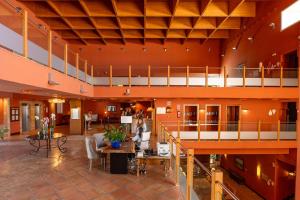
129,75
25,33
278,130
206,76
199,130
168,79
244,76
239,129
110,75
92,74
149,75
77,65
259,130
281,76
219,130
187,76
262,76
85,70
50,49
190,173
177,163
66,58
225,77
178,128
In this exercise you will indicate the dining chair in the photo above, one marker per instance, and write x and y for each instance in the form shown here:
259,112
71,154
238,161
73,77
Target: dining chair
91,154
100,144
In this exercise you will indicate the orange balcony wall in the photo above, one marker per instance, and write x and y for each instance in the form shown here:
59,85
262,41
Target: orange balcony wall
19,70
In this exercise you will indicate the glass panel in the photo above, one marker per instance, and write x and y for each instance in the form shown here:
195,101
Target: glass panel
159,76
139,75
253,73
272,72
290,73
101,75
71,63
197,76
37,43
201,180
58,55
178,76
214,77
11,25
120,75
81,72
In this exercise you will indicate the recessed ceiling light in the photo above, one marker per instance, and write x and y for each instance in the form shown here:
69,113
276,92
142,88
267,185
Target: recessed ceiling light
222,55
274,54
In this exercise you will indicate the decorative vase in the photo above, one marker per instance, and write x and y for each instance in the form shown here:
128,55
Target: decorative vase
115,144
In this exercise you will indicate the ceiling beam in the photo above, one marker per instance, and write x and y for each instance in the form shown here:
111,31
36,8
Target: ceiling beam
173,6
54,7
145,6
114,5
87,11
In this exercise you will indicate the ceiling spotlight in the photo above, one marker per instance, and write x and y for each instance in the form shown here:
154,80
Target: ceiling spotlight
165,49
272,25
209,49
250,38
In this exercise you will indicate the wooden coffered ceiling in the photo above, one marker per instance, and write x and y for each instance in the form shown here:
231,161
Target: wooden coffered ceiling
122,21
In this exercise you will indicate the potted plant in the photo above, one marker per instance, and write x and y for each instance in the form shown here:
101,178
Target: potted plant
115,136
2,132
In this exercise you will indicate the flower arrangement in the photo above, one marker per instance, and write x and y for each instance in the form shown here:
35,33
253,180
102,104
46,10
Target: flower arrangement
115,136
46,123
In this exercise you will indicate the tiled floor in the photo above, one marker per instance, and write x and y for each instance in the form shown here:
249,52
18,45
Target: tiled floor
32,177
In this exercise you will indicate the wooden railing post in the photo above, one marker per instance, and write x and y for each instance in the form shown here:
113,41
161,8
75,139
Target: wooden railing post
85,70
278,130
50,49
171,150
177,164
25,33
206,76
199,129
149,75
225,77
92,74
189,174
239,130
244,76
216,177
168,78
110,75
262,76
77,65
178,128
66,58
187,76
219,130
129,75
258,131
281,76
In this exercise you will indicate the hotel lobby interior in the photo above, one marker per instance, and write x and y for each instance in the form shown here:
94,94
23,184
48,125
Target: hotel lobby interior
149,99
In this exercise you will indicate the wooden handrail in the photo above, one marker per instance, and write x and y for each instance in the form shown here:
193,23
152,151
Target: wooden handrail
219,130
178,128
177,163
85,70
149,76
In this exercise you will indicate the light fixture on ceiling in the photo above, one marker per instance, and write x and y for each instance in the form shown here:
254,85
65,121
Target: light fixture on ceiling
274,54
245,110
222,55
234,48
209,49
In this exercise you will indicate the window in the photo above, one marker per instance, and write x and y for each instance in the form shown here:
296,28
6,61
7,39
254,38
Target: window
290,15
59,108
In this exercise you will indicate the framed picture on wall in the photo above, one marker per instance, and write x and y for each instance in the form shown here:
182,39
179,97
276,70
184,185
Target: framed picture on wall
14,114
111,108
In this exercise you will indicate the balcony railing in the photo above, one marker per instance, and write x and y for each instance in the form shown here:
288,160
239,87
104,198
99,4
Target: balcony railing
233,131
21,34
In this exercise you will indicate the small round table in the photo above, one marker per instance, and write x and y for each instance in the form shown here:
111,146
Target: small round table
37,142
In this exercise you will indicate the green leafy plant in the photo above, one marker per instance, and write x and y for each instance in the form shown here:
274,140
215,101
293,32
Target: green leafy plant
115,134
2,132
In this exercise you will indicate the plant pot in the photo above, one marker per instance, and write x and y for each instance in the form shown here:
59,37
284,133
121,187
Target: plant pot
115,144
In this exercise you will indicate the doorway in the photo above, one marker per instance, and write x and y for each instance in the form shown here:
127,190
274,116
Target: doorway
191,117
289,116
212,117
25,117
233,116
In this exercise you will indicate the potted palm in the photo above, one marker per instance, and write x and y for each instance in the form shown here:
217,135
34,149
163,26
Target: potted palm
116,136
3,130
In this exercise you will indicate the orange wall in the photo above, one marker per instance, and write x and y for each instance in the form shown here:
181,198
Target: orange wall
133,54
99,107
271,167
266,40
1,111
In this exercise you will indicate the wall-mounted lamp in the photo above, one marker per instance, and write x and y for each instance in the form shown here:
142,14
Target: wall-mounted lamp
245,110
272,25
272,112
258,170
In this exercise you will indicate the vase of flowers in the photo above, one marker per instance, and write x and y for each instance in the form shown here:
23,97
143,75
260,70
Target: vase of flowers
52,124
116,136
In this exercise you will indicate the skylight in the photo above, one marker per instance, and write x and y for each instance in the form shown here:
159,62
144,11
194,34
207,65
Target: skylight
290,15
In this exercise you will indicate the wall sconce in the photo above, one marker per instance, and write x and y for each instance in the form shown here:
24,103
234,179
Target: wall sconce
202,110
245,110
272,112
258,171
